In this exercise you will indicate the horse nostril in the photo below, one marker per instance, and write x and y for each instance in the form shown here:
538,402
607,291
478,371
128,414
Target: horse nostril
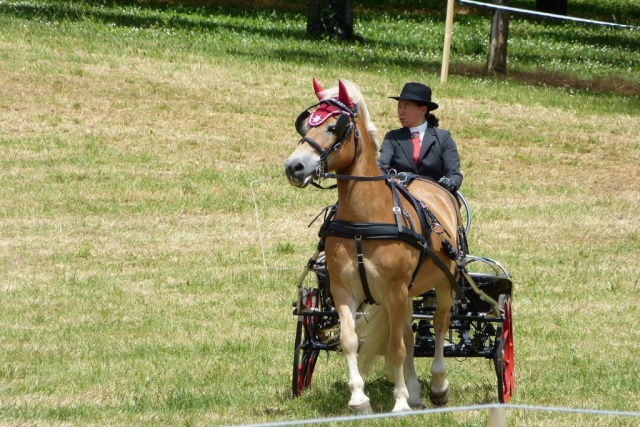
293,168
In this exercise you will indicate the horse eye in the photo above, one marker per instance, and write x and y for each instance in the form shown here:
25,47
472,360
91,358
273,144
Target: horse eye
331,128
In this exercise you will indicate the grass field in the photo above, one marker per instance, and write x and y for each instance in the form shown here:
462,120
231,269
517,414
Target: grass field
150,244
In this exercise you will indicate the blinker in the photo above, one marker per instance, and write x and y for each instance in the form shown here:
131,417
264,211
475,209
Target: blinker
301,122
343,127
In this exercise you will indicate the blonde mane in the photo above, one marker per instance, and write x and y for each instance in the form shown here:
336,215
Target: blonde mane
357,98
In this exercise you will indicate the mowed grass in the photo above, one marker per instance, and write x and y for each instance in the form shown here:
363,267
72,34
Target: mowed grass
150,244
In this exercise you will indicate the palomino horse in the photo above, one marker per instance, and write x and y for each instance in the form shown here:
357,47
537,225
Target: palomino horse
375,250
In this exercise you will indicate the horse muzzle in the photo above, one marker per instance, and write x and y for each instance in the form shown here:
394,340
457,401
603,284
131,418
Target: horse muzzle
301,168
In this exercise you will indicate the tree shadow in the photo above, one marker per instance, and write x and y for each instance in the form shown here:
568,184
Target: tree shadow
610,84
177,17
622,13
165,15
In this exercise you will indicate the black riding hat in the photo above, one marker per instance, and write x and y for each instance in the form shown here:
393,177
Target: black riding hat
417,92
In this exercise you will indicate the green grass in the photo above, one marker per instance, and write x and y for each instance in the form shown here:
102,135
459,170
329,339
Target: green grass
135,140
403,40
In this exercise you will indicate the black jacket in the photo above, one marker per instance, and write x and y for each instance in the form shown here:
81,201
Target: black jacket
438,156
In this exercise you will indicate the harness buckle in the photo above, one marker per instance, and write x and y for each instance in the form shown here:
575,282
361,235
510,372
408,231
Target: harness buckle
437,228
359,254
396,210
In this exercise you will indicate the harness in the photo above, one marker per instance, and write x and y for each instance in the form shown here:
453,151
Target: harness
345,123
385,231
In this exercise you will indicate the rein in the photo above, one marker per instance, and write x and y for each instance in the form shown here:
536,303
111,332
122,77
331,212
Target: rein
403,177
325,175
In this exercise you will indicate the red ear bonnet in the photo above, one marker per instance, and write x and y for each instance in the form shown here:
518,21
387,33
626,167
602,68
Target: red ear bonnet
324,111
317,89
343,95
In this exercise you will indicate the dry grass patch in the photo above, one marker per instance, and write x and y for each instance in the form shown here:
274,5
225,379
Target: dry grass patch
138,290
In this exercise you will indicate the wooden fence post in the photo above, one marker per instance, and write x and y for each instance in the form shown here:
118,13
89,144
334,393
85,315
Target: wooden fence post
444,74
497,417
497,62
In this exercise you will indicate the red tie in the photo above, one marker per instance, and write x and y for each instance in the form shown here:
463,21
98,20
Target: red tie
415,137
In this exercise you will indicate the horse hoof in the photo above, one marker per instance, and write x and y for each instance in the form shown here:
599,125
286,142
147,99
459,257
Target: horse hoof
362,409
439,399
401,408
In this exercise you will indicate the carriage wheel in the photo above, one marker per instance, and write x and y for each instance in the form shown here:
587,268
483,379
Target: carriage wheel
504,358
304,356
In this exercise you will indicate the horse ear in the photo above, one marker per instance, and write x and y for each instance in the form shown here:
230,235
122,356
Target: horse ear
343,95
318,89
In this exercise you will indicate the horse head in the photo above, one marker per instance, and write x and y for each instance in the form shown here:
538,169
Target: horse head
329,134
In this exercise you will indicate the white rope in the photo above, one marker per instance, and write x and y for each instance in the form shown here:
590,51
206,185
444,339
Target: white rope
255,207
548,15
575,410
444,410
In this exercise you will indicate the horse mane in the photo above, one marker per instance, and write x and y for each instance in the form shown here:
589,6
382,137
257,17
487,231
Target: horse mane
358,99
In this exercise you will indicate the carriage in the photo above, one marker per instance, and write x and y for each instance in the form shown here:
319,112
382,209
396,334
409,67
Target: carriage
394,275
480,328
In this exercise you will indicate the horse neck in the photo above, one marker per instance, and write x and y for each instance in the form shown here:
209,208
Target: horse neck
363,201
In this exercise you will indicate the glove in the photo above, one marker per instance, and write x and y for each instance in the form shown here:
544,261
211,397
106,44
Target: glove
448,183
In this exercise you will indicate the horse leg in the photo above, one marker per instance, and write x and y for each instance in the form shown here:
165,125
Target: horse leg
439,388
415,398
396,350
359,402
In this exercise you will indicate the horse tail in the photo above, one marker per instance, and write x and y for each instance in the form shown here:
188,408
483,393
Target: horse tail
373,331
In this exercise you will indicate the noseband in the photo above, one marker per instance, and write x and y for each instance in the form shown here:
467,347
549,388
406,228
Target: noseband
344,125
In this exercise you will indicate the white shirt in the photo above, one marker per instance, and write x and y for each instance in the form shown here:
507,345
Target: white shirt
422,129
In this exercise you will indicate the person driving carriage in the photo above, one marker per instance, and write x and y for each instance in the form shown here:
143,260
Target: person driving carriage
419,146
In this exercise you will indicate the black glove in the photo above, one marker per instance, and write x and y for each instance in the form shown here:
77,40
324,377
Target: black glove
448,183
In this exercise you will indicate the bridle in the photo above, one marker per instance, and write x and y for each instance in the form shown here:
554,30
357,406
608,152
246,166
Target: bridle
345,124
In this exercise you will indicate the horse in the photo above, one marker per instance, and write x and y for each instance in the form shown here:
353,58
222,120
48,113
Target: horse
388,265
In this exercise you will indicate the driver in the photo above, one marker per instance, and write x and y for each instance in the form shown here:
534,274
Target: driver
419,146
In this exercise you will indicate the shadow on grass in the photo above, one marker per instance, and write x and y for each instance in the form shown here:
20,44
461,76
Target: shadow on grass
622,13
334,400
187,18
611,84
155,16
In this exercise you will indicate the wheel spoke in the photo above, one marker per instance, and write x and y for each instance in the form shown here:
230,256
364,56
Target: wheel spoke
305,357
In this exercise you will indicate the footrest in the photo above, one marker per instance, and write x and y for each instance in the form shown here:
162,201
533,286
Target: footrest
494,286
494,283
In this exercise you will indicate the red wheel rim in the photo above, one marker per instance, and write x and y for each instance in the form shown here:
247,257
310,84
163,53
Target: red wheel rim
507,356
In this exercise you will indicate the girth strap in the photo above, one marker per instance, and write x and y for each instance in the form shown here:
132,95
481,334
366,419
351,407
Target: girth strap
371,230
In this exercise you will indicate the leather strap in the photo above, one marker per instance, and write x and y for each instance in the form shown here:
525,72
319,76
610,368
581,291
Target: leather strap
363,273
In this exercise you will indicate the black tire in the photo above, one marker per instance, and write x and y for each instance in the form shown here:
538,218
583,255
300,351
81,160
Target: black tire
504,355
